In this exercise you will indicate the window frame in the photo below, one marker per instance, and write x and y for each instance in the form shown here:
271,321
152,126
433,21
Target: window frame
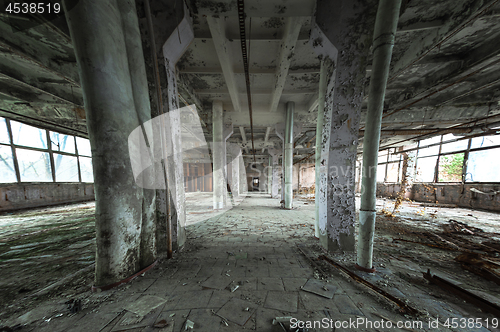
48,150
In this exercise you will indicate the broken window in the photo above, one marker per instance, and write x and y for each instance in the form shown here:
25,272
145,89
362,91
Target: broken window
34,166
482,166
83,146
25,135
425,169
4,134
62,143
86,169
7,170
66,168
450,167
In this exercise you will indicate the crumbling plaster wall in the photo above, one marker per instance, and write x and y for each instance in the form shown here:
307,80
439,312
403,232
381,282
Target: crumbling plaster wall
31,195
445,193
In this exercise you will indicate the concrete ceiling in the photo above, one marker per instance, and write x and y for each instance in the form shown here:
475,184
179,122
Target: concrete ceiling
445,70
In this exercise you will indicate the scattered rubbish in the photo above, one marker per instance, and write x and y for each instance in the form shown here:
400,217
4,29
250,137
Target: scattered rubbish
224,322
486,267
161,324
172,315
184,284
403,307
319,288
230,253
144,305
189,325
464,294
454,226
285,319
235,287
74,305
247,309
131,318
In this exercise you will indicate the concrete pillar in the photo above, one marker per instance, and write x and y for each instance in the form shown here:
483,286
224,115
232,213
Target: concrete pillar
243,176
218,153
340,32
383,42
235,152
270,176
276,174
115,105
322,149
288,155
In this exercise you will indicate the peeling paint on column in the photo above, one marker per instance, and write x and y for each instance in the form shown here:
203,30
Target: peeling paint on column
339,36
175,163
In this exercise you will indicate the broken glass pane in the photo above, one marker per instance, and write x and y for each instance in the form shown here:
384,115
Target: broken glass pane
66,168
450,167
61,142
83,146
26,135
482,166
425,169
484,141
86,169
34,166
7,170
4,134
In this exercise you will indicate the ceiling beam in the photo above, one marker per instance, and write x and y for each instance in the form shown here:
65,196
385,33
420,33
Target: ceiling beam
48,67
419,26
292,29
243,136
255,92
266,138
465,14
252,71
479,60
216,26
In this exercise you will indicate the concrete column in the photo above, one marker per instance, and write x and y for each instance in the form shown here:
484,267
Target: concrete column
288,155
340,32
276,176
227,132
114,107
383,42
270,176
235,152
175,160
243,176
322,149
218,153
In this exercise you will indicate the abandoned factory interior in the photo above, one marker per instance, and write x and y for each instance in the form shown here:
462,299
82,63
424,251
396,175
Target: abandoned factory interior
235,165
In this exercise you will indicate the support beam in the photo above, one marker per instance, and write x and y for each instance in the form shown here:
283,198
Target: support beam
266,137
322,149
292,29
218,152
113,112
464,14
337,26
217,29
383,42
288,155
243,137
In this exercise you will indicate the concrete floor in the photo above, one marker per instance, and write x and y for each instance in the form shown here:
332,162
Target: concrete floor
262,249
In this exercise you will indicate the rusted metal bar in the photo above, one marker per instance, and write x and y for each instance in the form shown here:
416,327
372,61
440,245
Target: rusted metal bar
403,307
466,295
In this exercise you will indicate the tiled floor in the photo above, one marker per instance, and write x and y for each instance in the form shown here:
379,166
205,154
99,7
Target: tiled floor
241,269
